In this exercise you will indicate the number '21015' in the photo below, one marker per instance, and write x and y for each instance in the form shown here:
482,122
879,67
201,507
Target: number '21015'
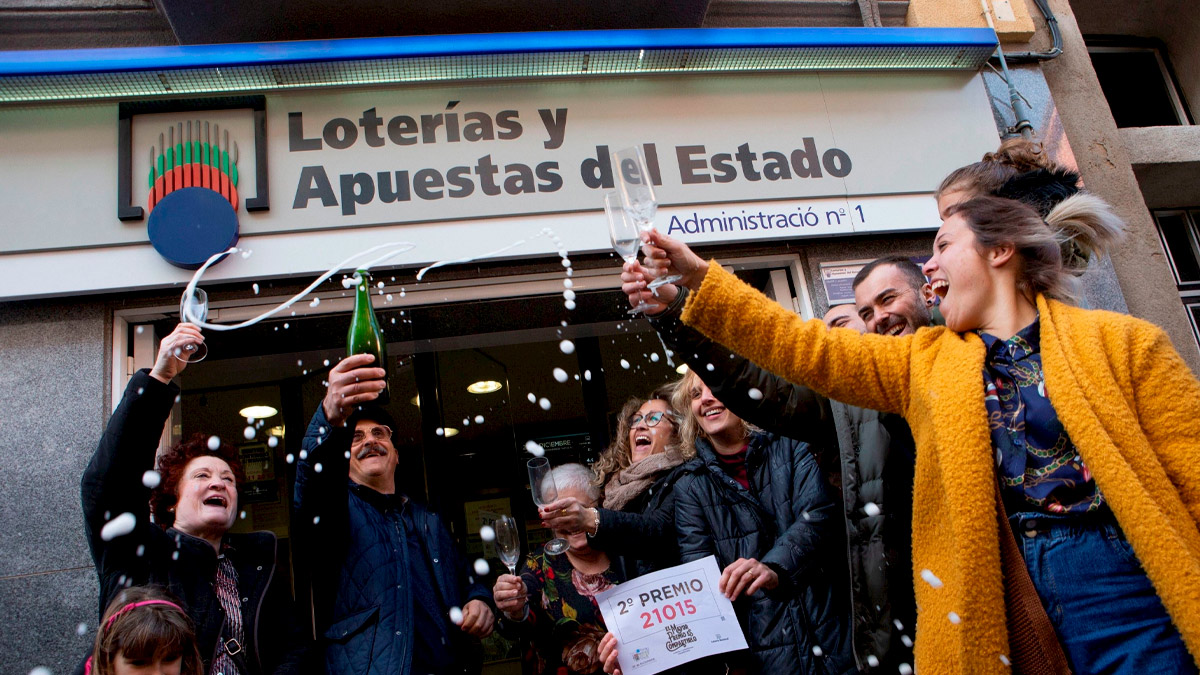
657,616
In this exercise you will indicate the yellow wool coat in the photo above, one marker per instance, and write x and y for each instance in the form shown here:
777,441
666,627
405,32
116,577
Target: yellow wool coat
1127,399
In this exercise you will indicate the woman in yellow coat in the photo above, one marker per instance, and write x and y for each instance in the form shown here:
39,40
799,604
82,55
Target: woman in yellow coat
1102,483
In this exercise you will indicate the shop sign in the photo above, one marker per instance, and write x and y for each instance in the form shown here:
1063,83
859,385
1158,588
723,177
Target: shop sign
452,168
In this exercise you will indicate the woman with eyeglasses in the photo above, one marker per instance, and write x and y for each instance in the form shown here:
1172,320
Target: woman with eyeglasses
759,503
638,471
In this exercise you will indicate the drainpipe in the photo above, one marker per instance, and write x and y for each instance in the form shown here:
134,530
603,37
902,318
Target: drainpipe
1023,125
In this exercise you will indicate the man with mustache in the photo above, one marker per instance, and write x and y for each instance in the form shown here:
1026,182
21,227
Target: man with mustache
875,453
386,573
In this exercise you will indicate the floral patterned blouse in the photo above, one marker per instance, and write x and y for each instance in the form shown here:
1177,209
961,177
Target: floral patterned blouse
1040,467
564,627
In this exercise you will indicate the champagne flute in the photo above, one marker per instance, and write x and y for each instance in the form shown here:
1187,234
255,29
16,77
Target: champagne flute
624,235
541,484
193,308
637,196
508,542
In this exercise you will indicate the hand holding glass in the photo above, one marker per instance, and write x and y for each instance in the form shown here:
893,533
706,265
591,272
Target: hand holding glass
541,484
637,195
193,308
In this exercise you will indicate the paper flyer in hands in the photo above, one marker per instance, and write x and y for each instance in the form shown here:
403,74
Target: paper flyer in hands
670,617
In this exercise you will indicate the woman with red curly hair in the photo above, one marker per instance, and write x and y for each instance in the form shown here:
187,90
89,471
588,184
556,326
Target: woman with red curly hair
171,528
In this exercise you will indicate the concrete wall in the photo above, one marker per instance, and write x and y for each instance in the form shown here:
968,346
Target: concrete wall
52,388
1105,164
1011,18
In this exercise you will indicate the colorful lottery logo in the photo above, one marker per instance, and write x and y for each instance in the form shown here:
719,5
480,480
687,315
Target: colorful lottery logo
193,198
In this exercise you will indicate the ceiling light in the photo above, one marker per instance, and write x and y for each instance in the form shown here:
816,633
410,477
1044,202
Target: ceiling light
258,412
276,431
682,369
484,387
449,431
416,400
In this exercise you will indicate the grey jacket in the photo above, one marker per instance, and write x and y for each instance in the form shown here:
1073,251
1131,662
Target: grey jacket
868,454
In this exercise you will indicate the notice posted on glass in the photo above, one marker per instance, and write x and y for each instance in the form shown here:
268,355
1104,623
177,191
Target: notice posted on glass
670,617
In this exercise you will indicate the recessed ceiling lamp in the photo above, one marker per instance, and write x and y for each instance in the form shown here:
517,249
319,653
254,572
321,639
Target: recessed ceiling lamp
258,412
682,369
484,387
449,431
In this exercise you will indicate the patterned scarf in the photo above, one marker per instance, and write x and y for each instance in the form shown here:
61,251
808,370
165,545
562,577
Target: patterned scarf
227,595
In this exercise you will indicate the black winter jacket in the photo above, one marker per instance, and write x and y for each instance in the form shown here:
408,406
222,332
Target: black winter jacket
185,565
359,555
788,521
873,455
643,533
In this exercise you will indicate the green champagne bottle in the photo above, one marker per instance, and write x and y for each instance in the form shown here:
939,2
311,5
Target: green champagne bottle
364,336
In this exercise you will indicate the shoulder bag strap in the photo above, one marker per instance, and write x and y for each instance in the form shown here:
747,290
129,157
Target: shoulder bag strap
1034,646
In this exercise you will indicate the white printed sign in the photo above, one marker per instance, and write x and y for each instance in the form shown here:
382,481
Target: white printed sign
670,617
460,170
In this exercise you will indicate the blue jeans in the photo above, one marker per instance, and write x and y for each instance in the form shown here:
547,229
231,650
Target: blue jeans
1104,608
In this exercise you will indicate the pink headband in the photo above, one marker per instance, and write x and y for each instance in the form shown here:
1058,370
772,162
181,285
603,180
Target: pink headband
134,605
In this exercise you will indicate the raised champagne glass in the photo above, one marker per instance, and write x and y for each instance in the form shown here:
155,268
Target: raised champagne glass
508,542
541,484
193,308
623,233
637,196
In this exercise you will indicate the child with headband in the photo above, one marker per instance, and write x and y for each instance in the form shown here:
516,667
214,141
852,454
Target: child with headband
145,632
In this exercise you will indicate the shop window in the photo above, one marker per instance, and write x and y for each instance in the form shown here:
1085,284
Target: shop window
1180,233
1138,82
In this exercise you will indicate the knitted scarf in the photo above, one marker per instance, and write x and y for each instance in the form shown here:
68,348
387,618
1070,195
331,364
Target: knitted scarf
625,485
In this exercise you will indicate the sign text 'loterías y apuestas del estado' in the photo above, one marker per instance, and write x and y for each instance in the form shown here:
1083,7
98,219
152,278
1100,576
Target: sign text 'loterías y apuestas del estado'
490,175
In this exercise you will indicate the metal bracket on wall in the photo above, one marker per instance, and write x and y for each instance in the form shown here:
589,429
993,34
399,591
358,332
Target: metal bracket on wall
870,13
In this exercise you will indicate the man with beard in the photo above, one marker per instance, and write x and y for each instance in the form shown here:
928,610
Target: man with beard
875,452
892,297
386,573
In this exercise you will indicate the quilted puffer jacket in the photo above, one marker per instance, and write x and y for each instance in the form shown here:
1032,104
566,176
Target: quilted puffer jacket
873,456
360,563
788,521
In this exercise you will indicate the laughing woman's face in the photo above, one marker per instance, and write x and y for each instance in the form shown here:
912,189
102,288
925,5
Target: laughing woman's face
960,275
207,495
647,439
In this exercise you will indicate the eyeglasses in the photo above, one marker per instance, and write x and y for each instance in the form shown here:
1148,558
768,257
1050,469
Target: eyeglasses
652,419
378,434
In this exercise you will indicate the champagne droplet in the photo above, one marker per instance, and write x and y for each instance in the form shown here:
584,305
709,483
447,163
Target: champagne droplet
118,527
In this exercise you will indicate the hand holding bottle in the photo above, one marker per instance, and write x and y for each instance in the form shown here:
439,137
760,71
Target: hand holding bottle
351,382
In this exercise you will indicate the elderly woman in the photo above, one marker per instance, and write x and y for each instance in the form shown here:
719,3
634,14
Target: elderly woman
226,582
562,622
638,472
1083,424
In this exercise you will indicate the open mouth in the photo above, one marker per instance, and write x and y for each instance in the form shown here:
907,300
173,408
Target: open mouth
217,500
643,441
894,329
712,412
940,287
